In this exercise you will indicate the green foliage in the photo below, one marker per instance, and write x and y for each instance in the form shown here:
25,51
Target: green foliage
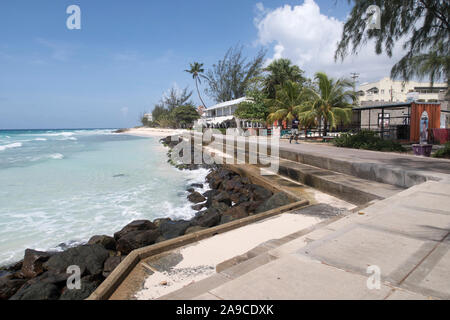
278,72
332,100
287,103
196,70
255,110
231,77
185,116
424,24
444,152
367,140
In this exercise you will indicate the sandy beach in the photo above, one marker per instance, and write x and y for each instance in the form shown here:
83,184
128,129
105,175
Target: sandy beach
153,132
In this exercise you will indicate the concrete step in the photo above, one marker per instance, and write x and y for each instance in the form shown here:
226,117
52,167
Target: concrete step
349,188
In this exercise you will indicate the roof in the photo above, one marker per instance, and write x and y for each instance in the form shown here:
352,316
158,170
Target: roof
229,103
393,105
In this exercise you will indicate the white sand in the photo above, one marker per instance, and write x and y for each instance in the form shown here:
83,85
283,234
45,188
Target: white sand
154,132
200,260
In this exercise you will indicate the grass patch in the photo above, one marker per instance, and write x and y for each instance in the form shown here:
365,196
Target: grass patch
444,152
367,140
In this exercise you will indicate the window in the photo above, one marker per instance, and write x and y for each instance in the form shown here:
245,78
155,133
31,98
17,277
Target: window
382,91
387,117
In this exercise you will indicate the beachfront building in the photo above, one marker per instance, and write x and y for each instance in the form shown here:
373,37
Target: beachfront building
221,115
387,90
149,117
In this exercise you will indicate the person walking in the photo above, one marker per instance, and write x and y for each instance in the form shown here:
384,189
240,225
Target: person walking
294,131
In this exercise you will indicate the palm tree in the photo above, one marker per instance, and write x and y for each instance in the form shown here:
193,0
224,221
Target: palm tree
280,71
331,100
287,103
196,71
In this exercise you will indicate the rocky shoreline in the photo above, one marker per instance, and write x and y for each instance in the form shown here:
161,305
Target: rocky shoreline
42,275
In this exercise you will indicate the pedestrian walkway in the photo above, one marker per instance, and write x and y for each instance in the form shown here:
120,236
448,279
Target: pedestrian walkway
405,237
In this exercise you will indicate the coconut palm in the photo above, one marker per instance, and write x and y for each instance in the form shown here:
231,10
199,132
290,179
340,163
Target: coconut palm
287,103
280,71
196,69
331,100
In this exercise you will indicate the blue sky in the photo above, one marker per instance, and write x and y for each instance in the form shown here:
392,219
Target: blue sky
125,56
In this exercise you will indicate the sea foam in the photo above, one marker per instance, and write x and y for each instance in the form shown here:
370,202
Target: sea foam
9,146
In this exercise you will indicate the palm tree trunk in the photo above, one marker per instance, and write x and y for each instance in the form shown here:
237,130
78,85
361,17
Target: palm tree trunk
325,126
198,92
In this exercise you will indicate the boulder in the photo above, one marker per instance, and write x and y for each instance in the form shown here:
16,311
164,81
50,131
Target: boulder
106,242
190,190
38,291
138,225
223,197
237,212
157,222
90,258
197,185
277,200
33,263
88,285
221,207
9,286
196,197
173,229
208,218
136,239
194,229
198,207
110,264
47,286
259,193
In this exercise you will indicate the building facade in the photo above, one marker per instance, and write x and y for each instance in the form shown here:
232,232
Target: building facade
391,91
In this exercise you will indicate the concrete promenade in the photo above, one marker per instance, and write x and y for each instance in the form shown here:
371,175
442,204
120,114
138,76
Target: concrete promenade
406,237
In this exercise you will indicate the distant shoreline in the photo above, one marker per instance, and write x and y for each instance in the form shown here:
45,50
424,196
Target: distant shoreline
151,132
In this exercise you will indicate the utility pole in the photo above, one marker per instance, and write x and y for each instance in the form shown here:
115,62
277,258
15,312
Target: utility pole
354,76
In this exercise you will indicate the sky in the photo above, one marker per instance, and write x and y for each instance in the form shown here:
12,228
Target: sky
128,53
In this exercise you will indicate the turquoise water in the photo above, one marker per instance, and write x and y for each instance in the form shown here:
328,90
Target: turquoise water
60,186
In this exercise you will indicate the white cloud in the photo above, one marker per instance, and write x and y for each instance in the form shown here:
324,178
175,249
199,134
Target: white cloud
309,38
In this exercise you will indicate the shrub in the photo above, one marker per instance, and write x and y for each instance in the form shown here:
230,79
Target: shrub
367,140
444,152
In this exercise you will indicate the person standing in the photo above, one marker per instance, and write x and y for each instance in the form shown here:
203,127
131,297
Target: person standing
294,131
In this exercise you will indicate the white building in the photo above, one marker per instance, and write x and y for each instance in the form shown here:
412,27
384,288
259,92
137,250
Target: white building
388,90
219,113
149,117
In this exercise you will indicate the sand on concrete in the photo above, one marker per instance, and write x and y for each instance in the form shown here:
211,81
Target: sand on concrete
199,260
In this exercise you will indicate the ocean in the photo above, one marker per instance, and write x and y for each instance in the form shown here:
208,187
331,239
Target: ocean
60,187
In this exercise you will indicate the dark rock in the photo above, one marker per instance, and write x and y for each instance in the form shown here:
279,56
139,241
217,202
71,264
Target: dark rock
197,185
44,287
88,285
194,229
138,225
173,229
221,207
105,241
110,264
277,200
37,291
253,205
223,197
225,219
237,212
199,207
9,286
89,258
259,193
33,263
136,239
196,197
157,222
190,190
208,218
